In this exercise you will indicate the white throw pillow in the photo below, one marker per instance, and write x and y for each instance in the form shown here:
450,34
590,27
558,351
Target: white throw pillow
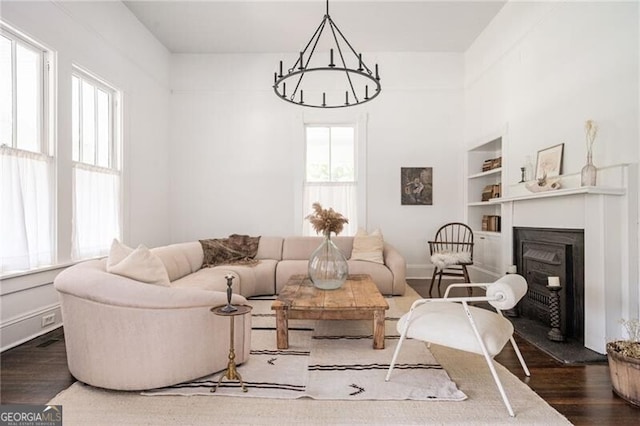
368,247
139,264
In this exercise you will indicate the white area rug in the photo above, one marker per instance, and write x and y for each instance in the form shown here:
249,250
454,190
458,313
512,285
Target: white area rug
330,367
329,360
84,405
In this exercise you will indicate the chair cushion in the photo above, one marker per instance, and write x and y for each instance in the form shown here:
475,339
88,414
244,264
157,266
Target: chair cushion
445,259
446,324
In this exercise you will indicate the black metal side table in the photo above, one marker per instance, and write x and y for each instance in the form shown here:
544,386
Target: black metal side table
231,373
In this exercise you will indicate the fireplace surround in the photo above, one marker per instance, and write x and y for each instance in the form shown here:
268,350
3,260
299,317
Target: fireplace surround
543,252
608,215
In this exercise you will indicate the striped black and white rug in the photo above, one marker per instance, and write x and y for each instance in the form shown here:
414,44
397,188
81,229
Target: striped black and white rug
331,360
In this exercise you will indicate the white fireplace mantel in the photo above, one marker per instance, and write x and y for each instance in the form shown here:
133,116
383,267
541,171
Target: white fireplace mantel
593,190
608,215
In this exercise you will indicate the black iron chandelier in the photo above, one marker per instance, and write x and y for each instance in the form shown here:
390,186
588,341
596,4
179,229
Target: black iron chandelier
350,75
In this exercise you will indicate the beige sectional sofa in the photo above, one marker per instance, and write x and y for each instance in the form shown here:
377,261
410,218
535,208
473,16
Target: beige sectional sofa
128,335
280,258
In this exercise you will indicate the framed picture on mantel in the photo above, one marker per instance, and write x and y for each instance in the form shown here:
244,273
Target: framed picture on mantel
549,162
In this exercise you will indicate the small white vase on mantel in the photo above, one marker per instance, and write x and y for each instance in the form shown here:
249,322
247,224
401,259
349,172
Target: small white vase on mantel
589,172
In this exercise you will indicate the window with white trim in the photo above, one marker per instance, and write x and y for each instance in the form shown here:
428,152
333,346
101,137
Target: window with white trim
26,164
331,173
96,170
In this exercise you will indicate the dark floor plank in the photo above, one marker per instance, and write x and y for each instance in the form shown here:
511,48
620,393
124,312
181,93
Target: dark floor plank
36,371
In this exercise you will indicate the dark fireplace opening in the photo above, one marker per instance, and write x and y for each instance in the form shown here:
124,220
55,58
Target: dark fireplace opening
540,253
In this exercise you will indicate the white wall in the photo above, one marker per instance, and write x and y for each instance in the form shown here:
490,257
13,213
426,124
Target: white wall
235,147
545,68
540,70
106,39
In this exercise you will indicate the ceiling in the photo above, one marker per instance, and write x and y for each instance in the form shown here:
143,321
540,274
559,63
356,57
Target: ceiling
263,26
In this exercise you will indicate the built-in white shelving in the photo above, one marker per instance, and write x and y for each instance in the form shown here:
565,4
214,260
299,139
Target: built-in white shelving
478,180
487,246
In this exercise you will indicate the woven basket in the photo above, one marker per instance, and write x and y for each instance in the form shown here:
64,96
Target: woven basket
625,376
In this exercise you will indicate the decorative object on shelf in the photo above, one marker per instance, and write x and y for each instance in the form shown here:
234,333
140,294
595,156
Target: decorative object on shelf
486,193
543,184
491,191
328,268
549,163
555,334
589,171
491,163
624,363
528,169
496,191
359,84
491,223
417,186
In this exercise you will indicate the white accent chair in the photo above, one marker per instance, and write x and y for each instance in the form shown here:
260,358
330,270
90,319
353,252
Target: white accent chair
451,322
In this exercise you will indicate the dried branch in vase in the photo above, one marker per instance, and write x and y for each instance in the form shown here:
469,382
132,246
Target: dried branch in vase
326,221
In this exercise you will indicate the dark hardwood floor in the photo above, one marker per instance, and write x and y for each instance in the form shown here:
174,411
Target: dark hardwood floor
36,371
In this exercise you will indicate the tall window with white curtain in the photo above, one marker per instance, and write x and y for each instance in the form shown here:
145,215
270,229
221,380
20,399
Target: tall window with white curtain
330,173
96,171
27,238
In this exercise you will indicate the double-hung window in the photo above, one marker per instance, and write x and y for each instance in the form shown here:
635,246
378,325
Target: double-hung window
96,165
27,238
331,173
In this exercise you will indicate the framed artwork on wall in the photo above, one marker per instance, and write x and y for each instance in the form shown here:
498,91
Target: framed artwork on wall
416,186
549,162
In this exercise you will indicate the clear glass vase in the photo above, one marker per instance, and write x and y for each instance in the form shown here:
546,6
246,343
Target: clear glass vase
589,173
328,268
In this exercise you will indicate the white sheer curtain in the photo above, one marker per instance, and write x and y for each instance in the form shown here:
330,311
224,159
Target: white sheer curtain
341,197
96,210
26,213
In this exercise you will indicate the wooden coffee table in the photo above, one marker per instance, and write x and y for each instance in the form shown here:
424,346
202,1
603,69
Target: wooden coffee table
358,299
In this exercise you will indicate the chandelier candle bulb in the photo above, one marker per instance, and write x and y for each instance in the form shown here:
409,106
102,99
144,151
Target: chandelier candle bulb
280,75
301,98
366,92
301,67
360,62
284,90
377,75
331,64
554,281
324,99
346,98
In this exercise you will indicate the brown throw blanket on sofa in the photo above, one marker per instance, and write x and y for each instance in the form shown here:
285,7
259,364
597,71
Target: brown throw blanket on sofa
237,249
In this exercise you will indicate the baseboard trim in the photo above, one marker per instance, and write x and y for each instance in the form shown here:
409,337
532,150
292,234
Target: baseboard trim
19,330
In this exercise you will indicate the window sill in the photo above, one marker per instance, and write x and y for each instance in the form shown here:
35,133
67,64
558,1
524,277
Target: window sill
13,282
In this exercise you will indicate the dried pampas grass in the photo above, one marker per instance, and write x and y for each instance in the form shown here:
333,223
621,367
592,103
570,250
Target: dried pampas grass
326,221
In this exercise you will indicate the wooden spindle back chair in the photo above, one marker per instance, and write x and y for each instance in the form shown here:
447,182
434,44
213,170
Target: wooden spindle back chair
454,240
